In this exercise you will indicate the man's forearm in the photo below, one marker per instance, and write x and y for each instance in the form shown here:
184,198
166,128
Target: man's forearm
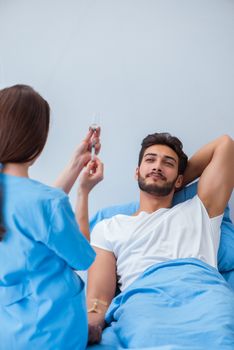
200,160
96,311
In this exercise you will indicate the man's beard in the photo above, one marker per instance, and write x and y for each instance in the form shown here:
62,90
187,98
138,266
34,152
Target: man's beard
155,189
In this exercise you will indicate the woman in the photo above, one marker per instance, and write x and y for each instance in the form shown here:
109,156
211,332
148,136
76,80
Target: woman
42,302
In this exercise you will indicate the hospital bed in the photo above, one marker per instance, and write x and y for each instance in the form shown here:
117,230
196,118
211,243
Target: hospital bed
140,308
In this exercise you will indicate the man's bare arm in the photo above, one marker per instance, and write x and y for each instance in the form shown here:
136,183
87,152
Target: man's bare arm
101,286
214,164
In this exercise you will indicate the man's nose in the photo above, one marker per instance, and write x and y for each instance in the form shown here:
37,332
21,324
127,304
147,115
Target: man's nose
157,166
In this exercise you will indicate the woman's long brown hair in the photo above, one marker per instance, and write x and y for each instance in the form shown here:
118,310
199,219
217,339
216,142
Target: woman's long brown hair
2,229
24,126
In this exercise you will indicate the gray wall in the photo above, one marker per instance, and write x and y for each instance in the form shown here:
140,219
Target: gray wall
145,66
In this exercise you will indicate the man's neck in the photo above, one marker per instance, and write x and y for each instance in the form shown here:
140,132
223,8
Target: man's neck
150,203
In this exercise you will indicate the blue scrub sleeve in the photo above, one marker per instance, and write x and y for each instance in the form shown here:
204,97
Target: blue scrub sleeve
65,238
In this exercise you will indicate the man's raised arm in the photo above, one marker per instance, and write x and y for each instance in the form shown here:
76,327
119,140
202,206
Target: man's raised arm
100,291
214,164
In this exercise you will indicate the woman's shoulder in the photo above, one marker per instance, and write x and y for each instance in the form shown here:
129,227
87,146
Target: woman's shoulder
46,191
46,196
26,190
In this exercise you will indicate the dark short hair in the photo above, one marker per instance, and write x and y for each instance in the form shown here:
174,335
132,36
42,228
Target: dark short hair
24,124
166,139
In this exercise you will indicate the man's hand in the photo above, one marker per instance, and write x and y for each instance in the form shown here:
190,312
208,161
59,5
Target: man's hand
96,323
95,334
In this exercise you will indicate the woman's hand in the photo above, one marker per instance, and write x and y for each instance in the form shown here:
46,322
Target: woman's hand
82,154
80,159
91,175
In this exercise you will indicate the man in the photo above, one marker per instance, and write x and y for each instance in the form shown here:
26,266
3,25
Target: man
126,246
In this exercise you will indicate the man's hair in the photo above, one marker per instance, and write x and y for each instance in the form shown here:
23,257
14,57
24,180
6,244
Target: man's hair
24,124
166,139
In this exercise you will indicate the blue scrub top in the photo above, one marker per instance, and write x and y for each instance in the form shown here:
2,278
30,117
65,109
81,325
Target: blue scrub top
42,302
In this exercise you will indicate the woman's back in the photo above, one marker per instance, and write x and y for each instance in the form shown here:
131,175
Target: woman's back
42,300
36,277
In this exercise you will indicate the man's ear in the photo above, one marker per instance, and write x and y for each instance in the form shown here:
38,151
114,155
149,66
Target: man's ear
137,173
179,182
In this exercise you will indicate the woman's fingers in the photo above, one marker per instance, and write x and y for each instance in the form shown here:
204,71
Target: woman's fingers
95,169
97,147
95,140
88,136
92,139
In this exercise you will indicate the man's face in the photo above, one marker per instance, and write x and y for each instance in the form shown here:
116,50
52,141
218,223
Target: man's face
158,171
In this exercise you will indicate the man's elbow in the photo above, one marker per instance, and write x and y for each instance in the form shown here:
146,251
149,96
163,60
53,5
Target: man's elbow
226,140
226,144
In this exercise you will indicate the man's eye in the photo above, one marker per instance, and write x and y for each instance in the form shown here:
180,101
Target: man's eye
169,163
149,160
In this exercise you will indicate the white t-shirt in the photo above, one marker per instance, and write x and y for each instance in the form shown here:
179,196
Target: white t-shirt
138,242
